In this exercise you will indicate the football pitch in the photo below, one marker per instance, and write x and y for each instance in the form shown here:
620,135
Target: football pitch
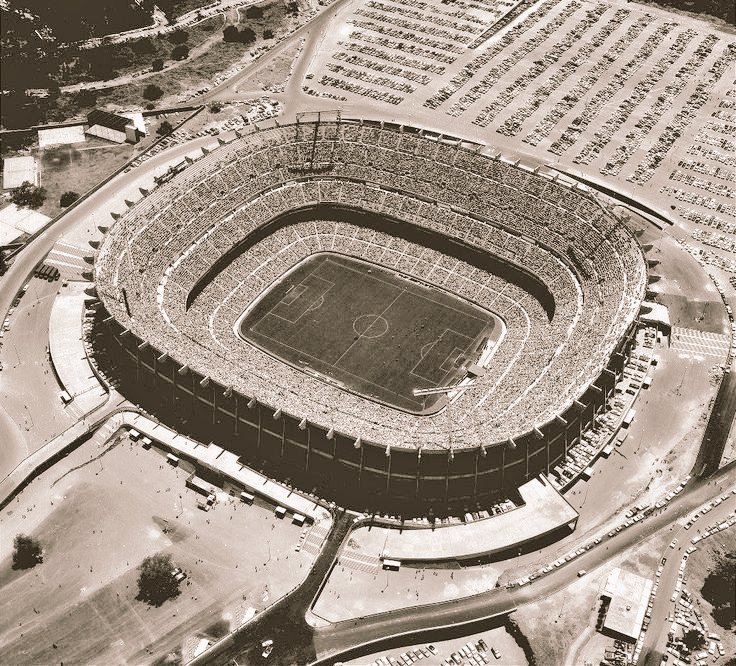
371,330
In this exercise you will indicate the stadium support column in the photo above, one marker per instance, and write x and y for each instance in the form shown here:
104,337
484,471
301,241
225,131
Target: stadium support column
137,365
260,427
358,445
253,403
564,428
450,458
475,474
419,464
599,391
538,434
278,414
304,425
214,405
388,476
237,414
503,469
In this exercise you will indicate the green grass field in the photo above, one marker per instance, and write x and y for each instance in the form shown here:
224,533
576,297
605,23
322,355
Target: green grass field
376,332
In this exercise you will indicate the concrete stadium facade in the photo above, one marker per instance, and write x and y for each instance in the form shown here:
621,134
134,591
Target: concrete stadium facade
340,462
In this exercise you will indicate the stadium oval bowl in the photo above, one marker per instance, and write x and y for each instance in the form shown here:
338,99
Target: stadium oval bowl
176,272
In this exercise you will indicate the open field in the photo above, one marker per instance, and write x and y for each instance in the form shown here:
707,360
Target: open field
109,61
77,168
561,627
370,329
713,549
98,514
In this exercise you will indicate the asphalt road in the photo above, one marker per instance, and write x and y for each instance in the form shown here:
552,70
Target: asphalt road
318,23
296,642
655,641
108,196
284,621
718,427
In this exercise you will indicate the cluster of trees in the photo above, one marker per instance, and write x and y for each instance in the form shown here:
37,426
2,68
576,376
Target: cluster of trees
27,552
74,20
243,36
152,92
165,128
156,579
68,198
28,195
719,590
248,35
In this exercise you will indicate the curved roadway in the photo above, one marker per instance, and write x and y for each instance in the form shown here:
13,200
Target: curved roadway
296,642
12,443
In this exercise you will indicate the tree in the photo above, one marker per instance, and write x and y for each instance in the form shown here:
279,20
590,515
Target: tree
27,552
165,128
230,34
178,37
144,45
68,198
247,36
693,639
719,590
28,195
157,65
156,580
180,51
268,33
86,98
152,91
216,107
254,12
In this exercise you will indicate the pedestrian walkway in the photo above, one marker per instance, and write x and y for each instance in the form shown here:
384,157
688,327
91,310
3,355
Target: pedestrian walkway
69,259
316,537
699,343
68,353
352,559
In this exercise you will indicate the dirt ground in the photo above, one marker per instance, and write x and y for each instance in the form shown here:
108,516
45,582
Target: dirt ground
275,74
351,593
561,627
98,513
703,561
498,638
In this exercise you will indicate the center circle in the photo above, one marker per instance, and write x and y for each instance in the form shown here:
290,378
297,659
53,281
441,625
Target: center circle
370,326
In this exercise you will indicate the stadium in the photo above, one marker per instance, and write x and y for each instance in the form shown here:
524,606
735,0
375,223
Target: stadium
373,312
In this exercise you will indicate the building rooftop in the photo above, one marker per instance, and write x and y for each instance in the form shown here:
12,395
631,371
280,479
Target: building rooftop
629,594
107,119
17,170
544,511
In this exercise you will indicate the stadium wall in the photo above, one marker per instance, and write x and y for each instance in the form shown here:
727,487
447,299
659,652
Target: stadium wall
359,472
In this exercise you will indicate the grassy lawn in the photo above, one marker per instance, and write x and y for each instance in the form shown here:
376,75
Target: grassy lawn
98,514
278,70
133,56
176,8
78,168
